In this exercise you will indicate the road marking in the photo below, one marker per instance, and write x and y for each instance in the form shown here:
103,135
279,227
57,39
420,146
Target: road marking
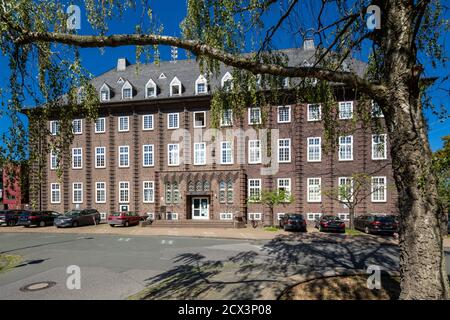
169,242
124,239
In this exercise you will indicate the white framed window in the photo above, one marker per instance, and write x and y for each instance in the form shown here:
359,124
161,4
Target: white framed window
254,190
150,215
227,81
226,152
100,157
314,190
100,192
174,215
173,154
257,216
77,158
100,125
284,184
199,153
376,110
147,155
226,119
313,216
54,127
379,189
314,149
173,121
150,89
149,191
284,114
254,115
280,216
346,110
345,189
55,196
314,112
77,192
127,91
201,85
254,151
344,216
147,122
124,156
124,123
175,87
345,148
124,192
103,216
105,93
284,150
286,83
379,147
53,160
199,119
226,216
77,126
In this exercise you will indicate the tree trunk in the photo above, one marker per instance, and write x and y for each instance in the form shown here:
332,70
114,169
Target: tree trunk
351,214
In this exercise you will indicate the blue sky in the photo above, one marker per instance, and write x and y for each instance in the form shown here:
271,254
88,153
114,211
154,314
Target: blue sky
171,13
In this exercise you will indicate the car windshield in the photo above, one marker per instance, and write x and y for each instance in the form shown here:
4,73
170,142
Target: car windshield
330,218
385,219
116,214
72,213
296,217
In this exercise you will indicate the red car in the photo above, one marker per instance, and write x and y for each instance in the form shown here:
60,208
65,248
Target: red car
124,219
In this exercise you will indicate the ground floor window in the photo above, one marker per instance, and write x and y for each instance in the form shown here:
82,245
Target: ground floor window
254,216
344,216
313,216
172,192
226,216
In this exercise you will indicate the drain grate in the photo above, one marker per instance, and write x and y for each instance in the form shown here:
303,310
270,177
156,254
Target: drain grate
37,286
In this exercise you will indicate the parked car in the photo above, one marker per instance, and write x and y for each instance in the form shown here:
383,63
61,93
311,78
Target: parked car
37,218
330,223
293,221
11,217
75,218
124,218
376,224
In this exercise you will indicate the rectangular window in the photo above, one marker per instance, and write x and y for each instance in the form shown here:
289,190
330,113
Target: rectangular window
127,93
124,156
254,190
345,189
284,150
254,151
226,152
77,126
200,153
314,149
378,189
314,192
284,184
100,156
151,91
254,115
227,118
201,88
124,124
200,119
344,216
100,192
376,110
77,158
54,128
284,114
104,94
100,125
226,216
379,151
313,216
175,90
147,122
147,153
149,191
280,216
77,192
53,160
314,112
173,151
254,216
173,121
55,193
345,148
124,192
345,110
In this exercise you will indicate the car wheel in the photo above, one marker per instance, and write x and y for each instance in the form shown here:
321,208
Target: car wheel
127,223
42,224
26,226
75,224
112,225
366,230
320,229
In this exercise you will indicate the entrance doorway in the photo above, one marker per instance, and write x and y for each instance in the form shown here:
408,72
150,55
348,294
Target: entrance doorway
200,208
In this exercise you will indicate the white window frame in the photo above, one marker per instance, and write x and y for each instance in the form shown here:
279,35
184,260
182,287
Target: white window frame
279,114
309,146
252,150
312,216
280,215
340,183
227,77
99,154
124,153
227,149
175,154
257,216
376,110
54,127
148,185
224,124
97,189
105,88
309,186
56,191
287,188
127,189
204,119
79,190
228,216
127,123
150,152
127,86
384,189
78,155
148,116
250,110
344,216
53,157
309,106
151,84
385,146
102,120
250,187
344,104
288,148
177,116
80,126
344,145
201,80
196,153
175,82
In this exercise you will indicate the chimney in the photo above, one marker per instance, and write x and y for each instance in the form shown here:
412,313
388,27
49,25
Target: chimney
122,64
308,44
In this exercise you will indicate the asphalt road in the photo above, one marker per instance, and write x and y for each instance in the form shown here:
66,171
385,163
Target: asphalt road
115,267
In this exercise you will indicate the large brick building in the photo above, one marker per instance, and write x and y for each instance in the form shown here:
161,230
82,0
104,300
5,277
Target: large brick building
153,150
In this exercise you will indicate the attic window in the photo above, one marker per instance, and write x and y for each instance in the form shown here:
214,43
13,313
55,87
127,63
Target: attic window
105,93
150,89
227,83
127,91
162,76
175,87
120,80
201,85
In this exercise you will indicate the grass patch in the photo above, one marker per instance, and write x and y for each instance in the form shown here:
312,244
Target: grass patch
272,229
353,232
8,261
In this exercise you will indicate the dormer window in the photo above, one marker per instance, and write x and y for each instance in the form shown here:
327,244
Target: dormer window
150,89
175,87
201,85
227,82
105,93
127,91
